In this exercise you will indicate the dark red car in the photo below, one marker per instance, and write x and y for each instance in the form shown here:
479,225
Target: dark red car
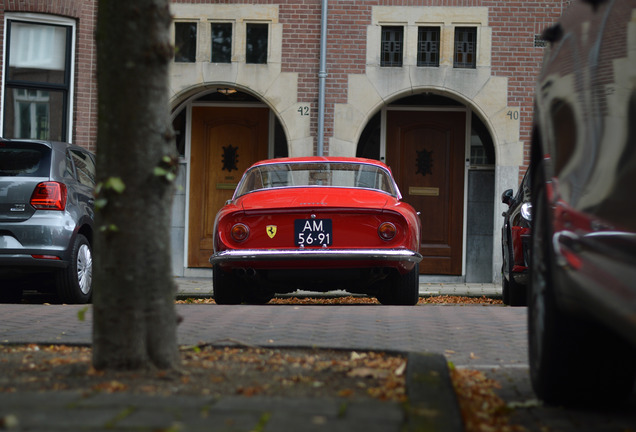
316,224
582,311
515,243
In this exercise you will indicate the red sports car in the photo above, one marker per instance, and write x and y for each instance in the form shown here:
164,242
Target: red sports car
316,224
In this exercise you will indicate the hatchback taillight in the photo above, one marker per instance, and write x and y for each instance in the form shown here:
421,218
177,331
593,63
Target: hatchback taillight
49,196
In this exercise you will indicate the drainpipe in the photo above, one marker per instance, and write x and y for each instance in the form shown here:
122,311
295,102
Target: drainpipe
322,77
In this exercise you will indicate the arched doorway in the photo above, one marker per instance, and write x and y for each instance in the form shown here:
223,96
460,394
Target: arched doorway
219,135
445,173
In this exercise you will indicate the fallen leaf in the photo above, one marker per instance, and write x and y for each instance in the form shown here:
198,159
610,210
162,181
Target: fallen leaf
365,372
355,356
249,391
110,387
9,421
345,393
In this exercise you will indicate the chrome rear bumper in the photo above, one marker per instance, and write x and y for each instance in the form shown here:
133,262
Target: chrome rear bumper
322,254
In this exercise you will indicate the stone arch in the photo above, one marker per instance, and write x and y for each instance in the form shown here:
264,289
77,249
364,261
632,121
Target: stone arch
179,102
489,104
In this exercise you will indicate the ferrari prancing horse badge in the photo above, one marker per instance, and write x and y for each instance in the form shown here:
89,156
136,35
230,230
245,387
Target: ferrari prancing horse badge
271,230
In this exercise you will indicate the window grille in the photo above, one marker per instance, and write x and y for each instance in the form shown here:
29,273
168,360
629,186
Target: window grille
465,47
539,42
391,50
428,46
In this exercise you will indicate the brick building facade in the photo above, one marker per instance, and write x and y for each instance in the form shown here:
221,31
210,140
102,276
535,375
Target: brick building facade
403,79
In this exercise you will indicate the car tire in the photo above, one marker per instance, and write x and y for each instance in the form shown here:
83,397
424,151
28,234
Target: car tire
228,289
505,288
518,295
75,282
257,296
401,289
10,294
573,362
513,294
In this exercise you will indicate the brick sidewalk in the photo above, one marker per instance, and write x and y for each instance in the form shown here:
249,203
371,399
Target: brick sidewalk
466,335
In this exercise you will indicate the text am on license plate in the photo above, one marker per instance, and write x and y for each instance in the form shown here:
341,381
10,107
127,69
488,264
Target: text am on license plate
312,232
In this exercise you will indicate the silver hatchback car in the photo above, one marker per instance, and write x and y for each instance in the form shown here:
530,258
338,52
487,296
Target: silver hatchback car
46,219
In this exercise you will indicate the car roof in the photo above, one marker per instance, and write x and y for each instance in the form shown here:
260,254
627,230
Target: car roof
55,145
309,159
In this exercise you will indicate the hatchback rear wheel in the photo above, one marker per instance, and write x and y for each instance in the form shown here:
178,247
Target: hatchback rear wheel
75,283
10,294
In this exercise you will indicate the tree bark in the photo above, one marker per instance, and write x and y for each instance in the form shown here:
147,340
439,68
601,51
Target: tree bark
134,324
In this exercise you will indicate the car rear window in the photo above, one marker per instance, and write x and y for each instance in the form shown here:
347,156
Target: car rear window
316,174
24,160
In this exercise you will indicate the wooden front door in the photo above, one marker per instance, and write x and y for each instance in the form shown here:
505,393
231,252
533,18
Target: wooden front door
426,152
225,142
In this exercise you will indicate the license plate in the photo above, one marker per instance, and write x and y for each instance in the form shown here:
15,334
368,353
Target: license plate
312,232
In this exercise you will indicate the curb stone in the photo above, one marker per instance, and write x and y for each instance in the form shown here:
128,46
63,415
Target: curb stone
432,404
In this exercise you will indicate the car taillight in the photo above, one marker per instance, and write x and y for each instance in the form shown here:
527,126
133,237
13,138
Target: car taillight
49,196
49,257
386,231
240,232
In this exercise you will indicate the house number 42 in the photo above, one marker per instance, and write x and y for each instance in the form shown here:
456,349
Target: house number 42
303,110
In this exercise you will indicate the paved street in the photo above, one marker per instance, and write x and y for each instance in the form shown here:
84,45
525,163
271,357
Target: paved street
467,335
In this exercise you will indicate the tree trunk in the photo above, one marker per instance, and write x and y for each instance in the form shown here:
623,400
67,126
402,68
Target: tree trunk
134,324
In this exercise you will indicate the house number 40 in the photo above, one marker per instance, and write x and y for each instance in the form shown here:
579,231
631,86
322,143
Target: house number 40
303,110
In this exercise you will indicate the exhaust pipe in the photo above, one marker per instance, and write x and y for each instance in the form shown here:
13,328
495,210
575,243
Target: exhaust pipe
245,272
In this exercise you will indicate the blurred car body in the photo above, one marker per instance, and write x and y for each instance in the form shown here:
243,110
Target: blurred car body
46,219
515,243
316,224
582,311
